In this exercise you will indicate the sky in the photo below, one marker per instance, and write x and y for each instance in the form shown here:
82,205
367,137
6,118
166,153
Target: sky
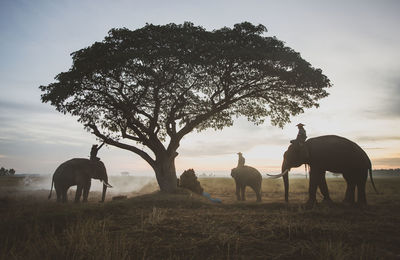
355,43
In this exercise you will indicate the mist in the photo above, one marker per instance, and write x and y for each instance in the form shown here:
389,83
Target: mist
129,186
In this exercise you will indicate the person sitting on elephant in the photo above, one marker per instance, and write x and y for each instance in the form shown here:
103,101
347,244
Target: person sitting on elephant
337,155
301,135
79,172
93,152
247,176
241,160
300,140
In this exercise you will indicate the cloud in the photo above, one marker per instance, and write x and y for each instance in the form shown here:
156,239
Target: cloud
33,122
391,162
24,107
378,138
386,102
47,133
392,101
232,140
374,148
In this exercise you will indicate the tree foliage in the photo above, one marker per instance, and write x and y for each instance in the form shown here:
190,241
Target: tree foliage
6,172
156,84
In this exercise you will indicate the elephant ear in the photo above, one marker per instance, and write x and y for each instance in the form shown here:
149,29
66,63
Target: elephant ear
93,168
294,147
234,172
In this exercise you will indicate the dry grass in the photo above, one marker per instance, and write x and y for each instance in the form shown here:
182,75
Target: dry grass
187,226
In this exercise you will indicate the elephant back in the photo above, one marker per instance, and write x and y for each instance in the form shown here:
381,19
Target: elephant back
247,174
80,164
337,152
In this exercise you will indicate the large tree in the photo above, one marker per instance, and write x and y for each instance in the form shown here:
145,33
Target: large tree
152,86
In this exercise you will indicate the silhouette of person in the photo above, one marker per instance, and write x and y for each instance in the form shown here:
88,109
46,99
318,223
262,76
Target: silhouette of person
93,152
301,136
300,140
241,160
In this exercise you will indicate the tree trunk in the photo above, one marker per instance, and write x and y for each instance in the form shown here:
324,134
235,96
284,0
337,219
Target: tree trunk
166,173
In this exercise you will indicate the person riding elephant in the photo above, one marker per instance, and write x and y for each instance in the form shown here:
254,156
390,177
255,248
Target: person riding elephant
301,135
241,160
93,152
78,171
335,154
300,140
247,176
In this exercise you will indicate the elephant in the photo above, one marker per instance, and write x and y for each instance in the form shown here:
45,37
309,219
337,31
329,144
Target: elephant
78,171
329,153
246,176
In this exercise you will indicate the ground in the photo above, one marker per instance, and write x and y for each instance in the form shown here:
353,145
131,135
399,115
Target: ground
151,225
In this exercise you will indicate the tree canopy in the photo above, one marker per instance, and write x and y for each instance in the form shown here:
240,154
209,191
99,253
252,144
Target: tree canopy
154,85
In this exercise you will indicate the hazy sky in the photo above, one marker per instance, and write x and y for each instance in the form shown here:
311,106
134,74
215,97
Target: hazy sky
355,43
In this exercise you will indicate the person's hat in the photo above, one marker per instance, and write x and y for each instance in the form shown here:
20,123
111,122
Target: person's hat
300,124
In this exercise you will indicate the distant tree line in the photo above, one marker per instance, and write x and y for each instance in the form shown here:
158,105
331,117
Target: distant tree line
387,171
6,172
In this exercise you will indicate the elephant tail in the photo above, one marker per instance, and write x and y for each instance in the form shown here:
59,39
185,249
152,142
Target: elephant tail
372,181
51,189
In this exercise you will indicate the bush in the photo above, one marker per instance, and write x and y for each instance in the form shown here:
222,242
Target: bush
5,172
188,180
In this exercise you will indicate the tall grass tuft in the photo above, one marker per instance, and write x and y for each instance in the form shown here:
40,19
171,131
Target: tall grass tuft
155,216
84,239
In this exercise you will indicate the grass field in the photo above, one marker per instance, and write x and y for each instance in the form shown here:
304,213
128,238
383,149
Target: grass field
151,225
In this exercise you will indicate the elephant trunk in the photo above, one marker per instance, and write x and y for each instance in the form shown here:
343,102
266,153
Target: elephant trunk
285,174
103,195
105,185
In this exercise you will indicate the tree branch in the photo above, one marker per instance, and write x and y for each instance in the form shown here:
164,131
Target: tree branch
131,148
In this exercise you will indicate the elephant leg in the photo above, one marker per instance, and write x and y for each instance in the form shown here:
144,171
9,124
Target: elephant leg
64,195
58,193
349,196
86,189
258,196
323,187
361,200
243,191
257,189
78,193
361,182
258,193
238,191
315,178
